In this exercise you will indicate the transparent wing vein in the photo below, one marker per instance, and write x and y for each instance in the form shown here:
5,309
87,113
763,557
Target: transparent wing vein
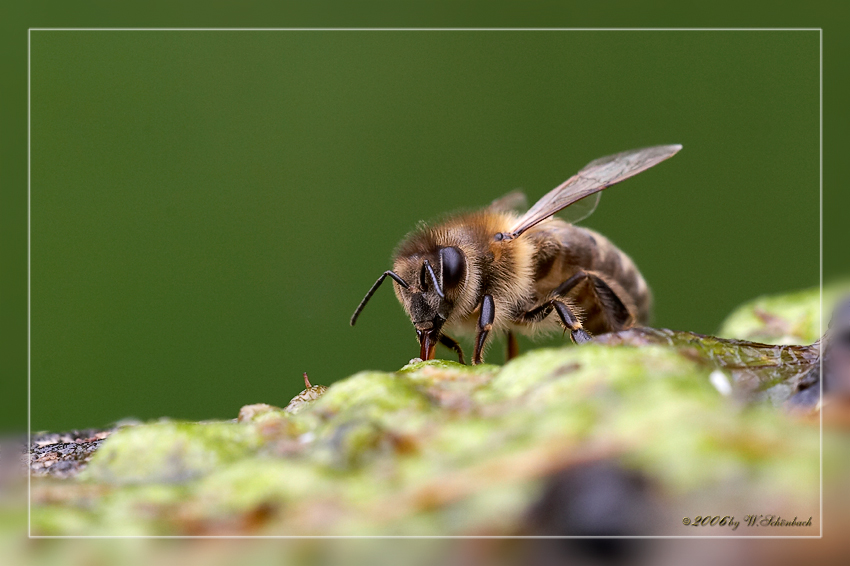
594,177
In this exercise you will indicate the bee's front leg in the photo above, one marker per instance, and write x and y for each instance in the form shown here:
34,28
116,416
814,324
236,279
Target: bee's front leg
485,324
565,313
452,344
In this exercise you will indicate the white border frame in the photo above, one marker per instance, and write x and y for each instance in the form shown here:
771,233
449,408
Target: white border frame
29,290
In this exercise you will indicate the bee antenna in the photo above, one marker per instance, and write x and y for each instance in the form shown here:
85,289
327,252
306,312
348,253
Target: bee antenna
434,279
374,288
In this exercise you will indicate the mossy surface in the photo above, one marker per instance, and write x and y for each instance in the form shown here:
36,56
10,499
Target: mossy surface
438,448
785,319
170,452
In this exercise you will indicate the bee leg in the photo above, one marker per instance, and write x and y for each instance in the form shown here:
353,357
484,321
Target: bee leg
452,344
564,288
485,324
568,319
513,347
619,315
612,306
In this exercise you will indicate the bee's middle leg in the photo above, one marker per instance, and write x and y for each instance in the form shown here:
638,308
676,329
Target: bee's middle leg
565,313
512,348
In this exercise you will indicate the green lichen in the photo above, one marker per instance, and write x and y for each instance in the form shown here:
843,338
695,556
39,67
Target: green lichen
785,319
170,451
438,448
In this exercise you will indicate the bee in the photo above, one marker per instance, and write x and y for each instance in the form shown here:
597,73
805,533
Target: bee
499,271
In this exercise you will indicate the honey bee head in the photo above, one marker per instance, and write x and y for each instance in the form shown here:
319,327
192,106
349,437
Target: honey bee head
435,281
436,277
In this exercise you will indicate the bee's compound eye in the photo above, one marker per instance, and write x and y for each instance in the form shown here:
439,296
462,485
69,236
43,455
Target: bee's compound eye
453,265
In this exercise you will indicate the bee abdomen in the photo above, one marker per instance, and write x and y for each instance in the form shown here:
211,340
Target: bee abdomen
565,250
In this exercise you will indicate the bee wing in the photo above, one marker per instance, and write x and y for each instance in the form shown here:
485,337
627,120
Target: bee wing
512,202
581,208
516,201
596,176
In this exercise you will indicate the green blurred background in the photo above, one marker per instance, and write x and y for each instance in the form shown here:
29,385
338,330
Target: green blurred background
209,207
